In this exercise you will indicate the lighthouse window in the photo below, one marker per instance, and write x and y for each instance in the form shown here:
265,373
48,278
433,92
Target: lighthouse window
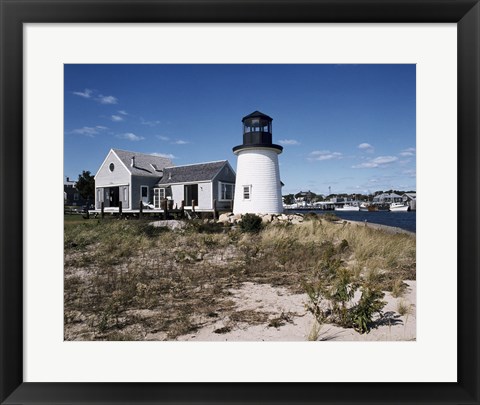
226,191
246,192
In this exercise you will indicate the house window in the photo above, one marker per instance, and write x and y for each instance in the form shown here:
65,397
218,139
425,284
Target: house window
144,194
75,197
125,194
247,191
158,195
226,191
111,167
99,195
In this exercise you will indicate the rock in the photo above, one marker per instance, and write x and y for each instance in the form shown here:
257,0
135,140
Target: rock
170,223
224,217
283,217
235,219
267,218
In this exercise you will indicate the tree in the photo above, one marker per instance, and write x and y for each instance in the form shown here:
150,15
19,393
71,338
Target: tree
289,199
86,185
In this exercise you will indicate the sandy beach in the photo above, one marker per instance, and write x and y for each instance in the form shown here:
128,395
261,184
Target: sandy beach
294,323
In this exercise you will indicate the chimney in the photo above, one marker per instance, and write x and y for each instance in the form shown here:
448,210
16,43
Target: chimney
68,179
132,162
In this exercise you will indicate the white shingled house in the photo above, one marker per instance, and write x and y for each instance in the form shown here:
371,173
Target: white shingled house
127,177
198,184
132,177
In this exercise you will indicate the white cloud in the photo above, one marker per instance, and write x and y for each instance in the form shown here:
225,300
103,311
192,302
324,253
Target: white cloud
87,93
149,123
163,138
324,155
89,131
410,173
122,112
288,142
116,118
377,162
129,136
407,152
165,155
366,147
107,99
180,142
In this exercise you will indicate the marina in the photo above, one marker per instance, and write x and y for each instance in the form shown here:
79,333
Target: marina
405,220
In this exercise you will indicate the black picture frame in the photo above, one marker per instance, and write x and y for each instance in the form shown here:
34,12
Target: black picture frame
465,13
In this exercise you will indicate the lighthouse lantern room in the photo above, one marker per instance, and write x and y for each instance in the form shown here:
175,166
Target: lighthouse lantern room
258,187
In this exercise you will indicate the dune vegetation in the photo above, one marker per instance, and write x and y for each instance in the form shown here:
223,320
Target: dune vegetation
128,280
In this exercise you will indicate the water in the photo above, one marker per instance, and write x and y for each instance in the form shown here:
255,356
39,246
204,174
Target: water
404,220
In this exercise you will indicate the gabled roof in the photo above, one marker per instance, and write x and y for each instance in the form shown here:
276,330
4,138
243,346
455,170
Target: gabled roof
143,163
257,114
192,173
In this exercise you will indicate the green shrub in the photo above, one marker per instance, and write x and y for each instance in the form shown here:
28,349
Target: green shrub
250,223
370,303
150,231
311,216
343,247
330,217
210,227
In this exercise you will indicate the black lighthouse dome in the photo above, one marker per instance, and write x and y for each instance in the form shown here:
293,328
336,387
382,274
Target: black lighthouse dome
257,132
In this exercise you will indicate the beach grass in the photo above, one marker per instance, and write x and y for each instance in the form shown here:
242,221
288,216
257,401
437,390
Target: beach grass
126,280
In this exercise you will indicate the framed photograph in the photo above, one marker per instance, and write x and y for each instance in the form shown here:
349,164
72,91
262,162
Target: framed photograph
163,112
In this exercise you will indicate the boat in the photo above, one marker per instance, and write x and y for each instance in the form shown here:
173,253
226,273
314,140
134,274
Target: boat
398,207
366,207
348,207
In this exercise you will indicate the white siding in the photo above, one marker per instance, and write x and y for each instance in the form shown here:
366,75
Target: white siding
177,195
258,168
105,177
205,196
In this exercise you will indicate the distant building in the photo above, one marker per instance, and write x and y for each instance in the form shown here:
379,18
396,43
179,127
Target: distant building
411,200
305,197
387,198
71,196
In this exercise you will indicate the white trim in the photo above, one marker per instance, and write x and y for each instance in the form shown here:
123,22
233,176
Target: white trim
124,165
105,160
249,192
197,164
113,185
103,163
186,183
220,191
248,148
219,170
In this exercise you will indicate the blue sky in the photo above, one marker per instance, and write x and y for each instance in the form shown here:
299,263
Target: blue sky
348,127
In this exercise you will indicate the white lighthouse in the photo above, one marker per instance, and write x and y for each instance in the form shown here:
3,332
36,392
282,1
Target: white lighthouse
258,189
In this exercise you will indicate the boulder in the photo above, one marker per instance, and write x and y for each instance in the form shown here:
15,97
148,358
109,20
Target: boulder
267,218
224,217
171,224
